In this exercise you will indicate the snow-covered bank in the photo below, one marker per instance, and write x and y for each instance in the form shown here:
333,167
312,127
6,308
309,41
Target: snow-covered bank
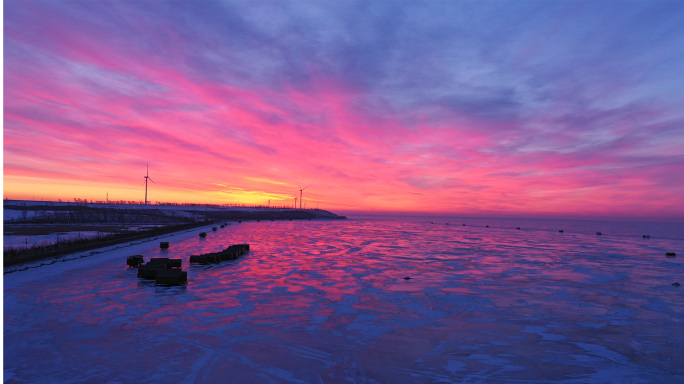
49,267
72,220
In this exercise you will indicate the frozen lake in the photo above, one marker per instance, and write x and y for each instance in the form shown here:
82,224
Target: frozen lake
327,302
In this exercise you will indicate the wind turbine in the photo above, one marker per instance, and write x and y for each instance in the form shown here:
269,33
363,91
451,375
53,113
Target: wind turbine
147,177
300,195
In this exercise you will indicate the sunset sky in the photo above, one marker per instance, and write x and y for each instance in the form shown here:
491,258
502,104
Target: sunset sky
463,107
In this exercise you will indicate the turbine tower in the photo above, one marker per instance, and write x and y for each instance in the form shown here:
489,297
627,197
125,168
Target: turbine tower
147,177
300,195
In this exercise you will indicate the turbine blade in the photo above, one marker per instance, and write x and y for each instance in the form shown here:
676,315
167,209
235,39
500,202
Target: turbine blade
151,180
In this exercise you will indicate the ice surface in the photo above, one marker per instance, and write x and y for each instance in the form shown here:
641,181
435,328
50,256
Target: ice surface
325,301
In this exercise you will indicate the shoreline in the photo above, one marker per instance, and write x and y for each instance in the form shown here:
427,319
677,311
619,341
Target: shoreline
94,248
57,251
48,267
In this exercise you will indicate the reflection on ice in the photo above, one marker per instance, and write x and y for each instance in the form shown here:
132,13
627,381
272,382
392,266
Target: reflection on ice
327,301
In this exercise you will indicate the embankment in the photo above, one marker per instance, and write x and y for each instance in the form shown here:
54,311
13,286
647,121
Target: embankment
19,256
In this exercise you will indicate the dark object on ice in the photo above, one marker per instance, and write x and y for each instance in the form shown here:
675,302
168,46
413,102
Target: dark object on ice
560,231
164,245
670,254
431,222
486,226
135,260
518,228
166,262
203,234
407,278
464,224
214,229
676,284
223,225
230,253
447,223
149,271
173,263
151,268
646,236
599,233
171,277
205,258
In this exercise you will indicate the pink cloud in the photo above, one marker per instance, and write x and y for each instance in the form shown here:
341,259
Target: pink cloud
86,114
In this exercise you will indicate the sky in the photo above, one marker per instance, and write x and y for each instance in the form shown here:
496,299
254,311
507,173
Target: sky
463,107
